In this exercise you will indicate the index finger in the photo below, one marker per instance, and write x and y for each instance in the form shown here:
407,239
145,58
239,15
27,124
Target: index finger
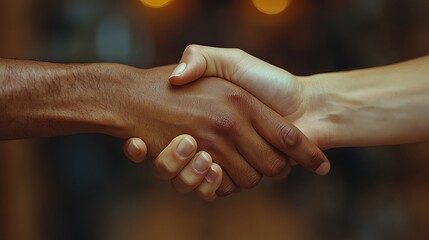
290,140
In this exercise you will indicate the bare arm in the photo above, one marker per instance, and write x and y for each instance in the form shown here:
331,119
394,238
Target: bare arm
375,106
45,99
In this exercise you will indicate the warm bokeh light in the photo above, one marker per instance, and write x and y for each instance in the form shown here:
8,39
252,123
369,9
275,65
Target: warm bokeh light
156,3
271,6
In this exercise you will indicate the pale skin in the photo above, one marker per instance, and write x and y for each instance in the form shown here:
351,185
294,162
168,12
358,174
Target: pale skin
368,107
245,138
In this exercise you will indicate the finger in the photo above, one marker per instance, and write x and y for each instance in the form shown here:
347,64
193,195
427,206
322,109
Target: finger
237,168
260,154
286,172
192,66
226,187
290,140
198,61
206,190
174,157
135,149
193,174
283,174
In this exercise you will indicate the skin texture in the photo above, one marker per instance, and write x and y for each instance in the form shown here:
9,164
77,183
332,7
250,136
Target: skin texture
333,109
384,105
368,107
287,94
241,121
242,135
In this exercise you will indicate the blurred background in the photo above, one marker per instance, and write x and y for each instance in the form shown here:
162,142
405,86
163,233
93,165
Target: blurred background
82,187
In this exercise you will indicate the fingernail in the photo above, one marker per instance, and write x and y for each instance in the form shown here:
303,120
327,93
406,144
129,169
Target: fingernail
133,148
323,169
178,70
201,163
211,175
186,148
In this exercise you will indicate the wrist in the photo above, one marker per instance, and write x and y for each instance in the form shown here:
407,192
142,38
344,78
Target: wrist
324,103
108,85
345,109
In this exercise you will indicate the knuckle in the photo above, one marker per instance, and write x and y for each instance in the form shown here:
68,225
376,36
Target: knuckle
239,98
237,53
225,190
275,167
289,136
187,181
224,122
208,142
251,180
192,48
285,173
165,171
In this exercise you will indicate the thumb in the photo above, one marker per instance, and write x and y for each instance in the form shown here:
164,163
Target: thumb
135,149
202,61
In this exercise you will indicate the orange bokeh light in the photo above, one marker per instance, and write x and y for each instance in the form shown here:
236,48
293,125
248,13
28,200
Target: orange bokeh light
156,3
271,7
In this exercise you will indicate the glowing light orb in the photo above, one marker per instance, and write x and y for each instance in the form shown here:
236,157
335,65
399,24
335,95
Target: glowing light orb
156,3
271,7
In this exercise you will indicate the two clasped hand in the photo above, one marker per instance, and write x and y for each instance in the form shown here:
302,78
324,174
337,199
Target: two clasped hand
368,107
221,119
278,89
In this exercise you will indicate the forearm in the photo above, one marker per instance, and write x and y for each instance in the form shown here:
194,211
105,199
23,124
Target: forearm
45,99
377,106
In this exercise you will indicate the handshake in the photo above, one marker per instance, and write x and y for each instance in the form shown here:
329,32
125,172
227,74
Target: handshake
240,118
221,119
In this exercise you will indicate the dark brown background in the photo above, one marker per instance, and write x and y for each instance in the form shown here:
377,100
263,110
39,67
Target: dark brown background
82,187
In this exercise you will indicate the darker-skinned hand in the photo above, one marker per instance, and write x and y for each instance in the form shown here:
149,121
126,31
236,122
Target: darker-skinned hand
245,137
